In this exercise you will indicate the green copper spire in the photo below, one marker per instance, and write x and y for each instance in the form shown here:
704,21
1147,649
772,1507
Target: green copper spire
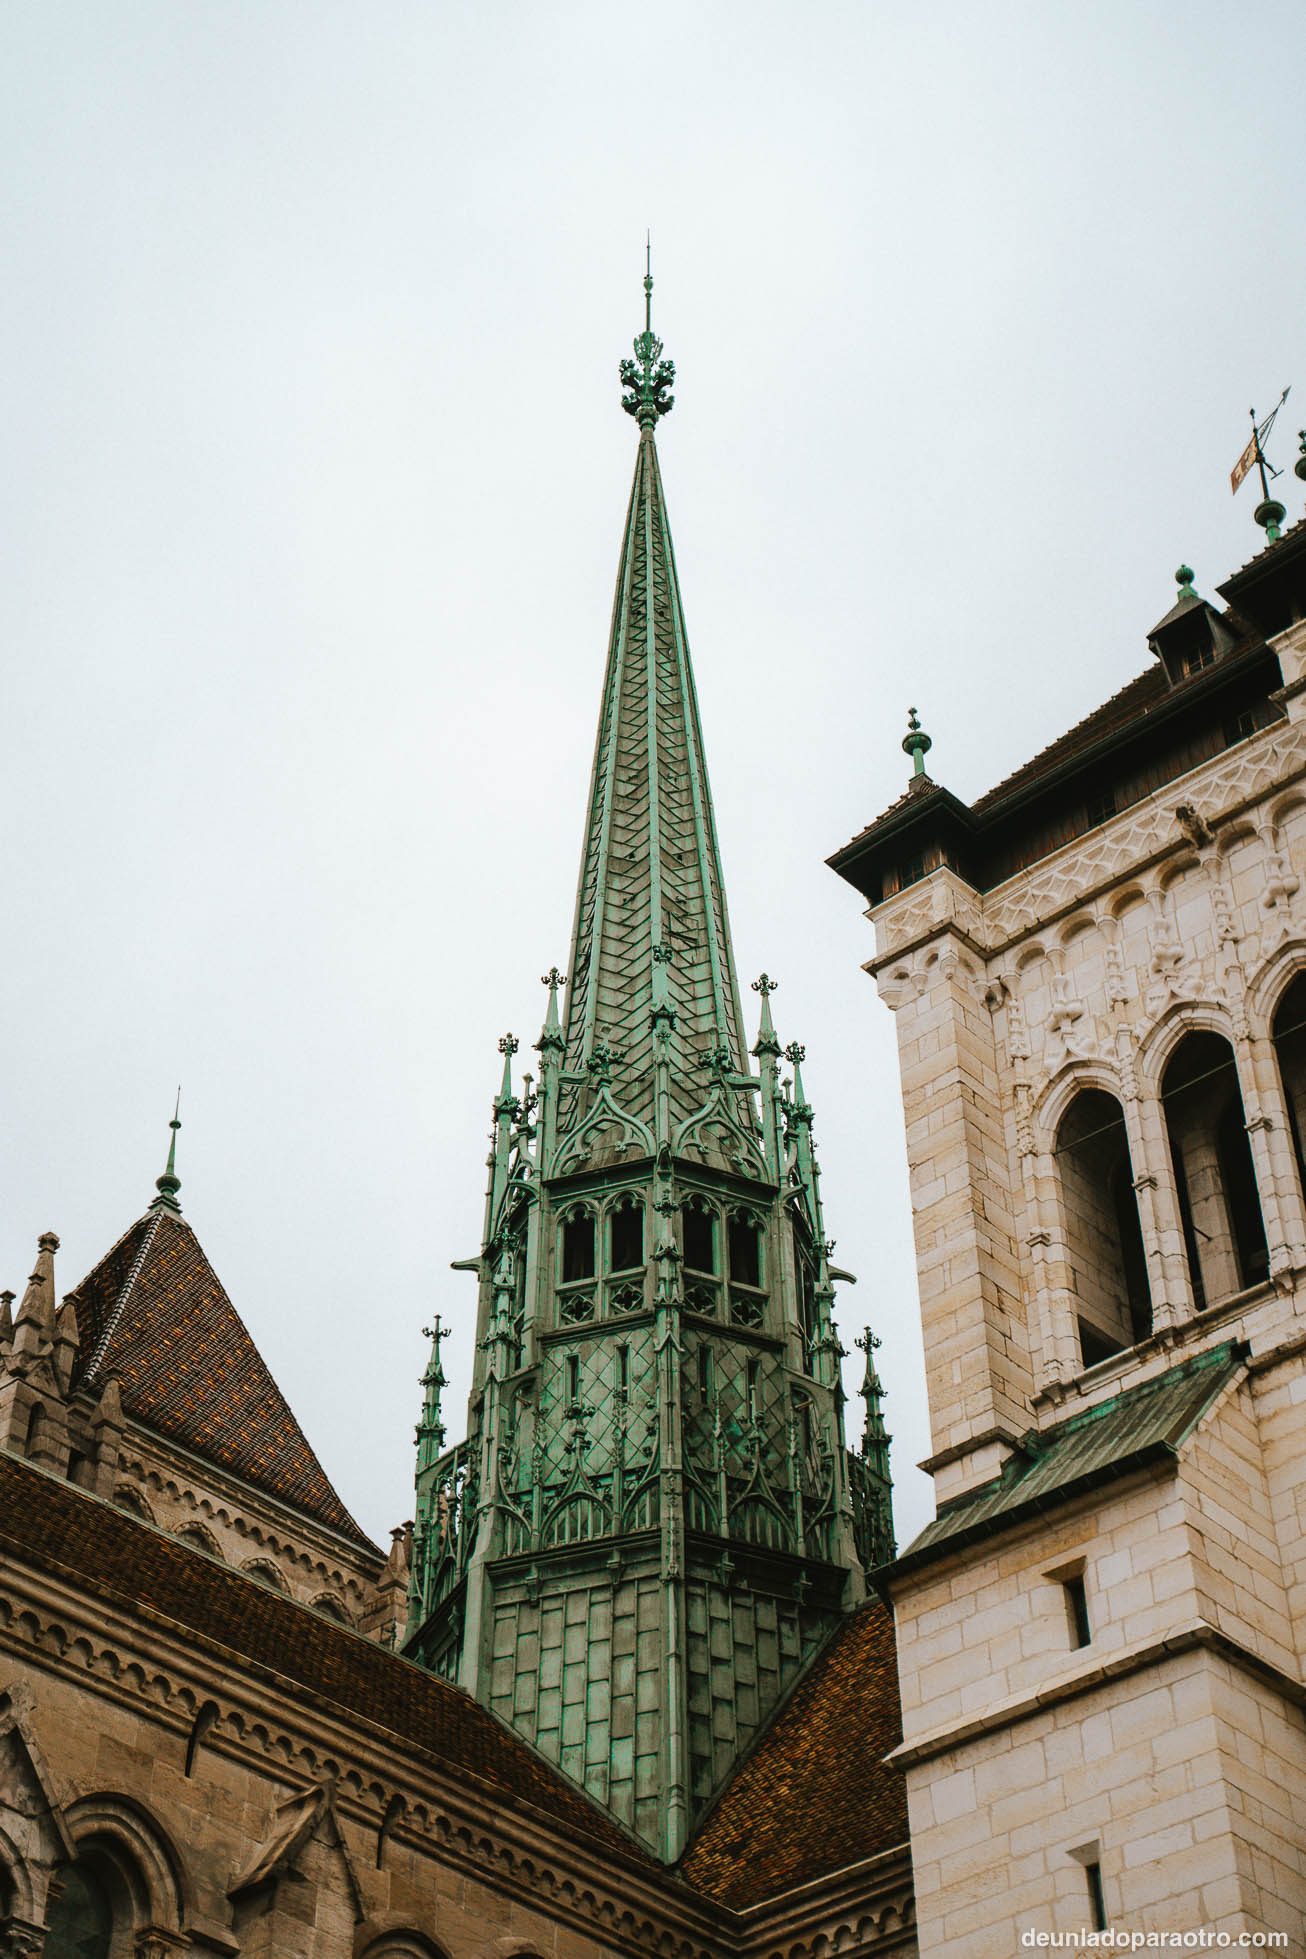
875,1488
170,1183
655,1519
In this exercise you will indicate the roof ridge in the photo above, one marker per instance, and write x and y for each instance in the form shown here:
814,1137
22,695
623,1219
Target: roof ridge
114,1316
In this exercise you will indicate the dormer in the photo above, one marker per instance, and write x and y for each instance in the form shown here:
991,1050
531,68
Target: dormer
1192,635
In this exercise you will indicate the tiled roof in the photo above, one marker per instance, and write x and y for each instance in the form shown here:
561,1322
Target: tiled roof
154,1313
814,1795
1141,1425
51,1525
1135,698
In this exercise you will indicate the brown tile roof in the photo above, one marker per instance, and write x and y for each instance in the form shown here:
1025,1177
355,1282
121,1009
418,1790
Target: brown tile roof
154,1313
1135,698
814,1795
54,1527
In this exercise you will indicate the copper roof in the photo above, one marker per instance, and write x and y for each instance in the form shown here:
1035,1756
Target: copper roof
154,1313
1111,1438
56,1527
815,1794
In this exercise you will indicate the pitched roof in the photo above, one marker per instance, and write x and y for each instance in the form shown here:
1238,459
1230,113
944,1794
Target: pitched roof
650,906
1141,1425
154,1314
56,1527
814,1795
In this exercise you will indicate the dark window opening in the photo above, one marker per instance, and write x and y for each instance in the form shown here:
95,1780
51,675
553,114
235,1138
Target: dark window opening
1224,1234
1195,660
705,1371
1081,1630
1238,727
700,1239
1096,1897
911,872
1100,807
745,1248
1095,1346
1289,1035
578,1248
1104,1239
623,1369
82,1921
626,1238
573,1379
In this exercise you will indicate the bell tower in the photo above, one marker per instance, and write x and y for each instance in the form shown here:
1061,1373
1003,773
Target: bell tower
654,1519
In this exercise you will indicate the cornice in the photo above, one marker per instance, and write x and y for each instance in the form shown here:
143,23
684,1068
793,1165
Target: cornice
267,1724
1199,1635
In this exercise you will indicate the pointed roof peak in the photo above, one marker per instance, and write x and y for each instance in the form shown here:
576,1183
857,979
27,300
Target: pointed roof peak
169,1183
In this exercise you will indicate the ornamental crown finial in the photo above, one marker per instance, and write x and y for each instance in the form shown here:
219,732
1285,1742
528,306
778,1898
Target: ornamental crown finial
648,377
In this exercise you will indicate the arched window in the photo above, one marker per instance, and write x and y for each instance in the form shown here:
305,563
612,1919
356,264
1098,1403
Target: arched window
92,1913
330,1607
1290,1047
626,1235
1218,1201
578,1258
266,1573
1104,1242
199,1539
699,1228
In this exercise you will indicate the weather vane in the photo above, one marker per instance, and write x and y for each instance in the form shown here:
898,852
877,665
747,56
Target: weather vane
648,377
1269,512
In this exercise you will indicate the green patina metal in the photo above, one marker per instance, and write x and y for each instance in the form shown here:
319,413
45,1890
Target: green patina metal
654,1519
169,1183
916,743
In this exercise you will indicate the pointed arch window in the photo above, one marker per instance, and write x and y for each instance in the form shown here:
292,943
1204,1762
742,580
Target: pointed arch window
626,1235
578,1245
1289,1035
1103,1237
700,1228
1219,1204
744,1267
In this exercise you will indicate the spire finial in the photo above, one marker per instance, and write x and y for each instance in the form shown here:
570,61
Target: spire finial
1299,467
1184,580
170,1183
648,377
916,743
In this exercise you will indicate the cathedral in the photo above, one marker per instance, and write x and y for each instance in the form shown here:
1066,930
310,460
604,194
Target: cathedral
647,1673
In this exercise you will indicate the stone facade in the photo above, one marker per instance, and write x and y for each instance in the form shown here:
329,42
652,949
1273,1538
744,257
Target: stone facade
1102,1089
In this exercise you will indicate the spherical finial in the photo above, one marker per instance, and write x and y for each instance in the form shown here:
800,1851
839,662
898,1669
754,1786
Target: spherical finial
1270,515
916,743
1299,467
1184,580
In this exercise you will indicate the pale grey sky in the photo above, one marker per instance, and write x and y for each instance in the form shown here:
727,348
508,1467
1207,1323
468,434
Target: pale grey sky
314,482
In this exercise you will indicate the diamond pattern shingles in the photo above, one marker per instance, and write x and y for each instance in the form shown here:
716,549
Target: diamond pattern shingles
1142,1424
48,1524
815,1794
650,888
154,1313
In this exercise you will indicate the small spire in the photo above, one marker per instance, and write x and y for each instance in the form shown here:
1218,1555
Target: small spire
6,1318
508,1046
431,1431
917,744
766,1042
170,1183
648,377
34,1321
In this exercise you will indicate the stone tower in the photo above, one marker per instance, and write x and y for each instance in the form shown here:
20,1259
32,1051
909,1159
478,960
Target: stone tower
654,1519
1098,972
